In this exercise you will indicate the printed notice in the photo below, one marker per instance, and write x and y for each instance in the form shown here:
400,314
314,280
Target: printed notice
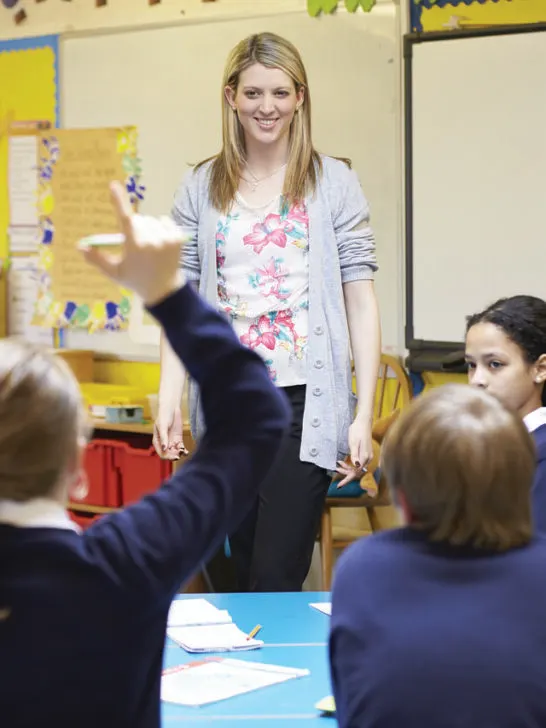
23,180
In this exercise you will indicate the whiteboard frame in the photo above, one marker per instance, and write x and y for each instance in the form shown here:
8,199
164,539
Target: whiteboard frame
432,355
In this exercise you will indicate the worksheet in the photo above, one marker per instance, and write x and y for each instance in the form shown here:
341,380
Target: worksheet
212,638
324,607
193,612
210,681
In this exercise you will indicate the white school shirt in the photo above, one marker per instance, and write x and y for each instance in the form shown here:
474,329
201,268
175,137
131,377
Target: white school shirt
263,282
36,513
535,419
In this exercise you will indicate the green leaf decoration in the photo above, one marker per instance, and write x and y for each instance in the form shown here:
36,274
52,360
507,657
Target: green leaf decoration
125,307
81,315
314,7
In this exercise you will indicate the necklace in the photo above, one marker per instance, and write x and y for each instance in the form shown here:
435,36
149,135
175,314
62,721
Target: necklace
255,181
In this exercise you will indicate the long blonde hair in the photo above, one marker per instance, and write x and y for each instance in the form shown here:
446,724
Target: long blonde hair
42,421
304,163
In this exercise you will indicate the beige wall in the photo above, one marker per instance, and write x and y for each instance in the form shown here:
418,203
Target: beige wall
82,15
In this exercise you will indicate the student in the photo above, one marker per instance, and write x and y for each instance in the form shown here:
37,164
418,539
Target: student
506,355
440,624
281,241
83,616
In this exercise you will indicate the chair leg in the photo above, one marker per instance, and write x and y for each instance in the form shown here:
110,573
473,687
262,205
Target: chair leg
196,585
326,548
375,523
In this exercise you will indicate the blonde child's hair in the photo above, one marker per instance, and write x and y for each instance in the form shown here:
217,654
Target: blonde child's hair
464,466
304,163
42,421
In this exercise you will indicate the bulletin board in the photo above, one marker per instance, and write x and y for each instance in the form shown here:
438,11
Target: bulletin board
75,168
29,69
437,15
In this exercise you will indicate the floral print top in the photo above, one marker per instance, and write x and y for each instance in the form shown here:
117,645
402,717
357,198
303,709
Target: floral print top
263,282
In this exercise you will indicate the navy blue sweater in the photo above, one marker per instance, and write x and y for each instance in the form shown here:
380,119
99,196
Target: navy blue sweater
83,644
428,636
539,486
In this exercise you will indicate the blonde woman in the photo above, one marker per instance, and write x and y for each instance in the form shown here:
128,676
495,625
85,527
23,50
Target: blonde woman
281,242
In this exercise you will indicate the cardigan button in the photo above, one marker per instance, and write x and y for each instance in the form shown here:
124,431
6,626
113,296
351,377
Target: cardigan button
315,421
313,452
317,391
319,364
319,330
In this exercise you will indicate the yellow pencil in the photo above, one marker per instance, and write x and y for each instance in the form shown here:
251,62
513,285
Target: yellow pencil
254,632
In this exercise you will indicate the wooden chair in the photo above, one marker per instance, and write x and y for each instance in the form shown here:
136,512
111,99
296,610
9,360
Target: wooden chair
394,391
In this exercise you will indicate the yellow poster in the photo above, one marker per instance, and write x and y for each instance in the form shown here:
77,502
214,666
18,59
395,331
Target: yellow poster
434,15
28,92
75,168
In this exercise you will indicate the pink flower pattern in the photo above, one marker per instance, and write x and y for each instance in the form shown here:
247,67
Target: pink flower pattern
273,330
270,231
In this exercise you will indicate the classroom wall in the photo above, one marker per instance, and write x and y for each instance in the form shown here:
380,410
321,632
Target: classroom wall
53,16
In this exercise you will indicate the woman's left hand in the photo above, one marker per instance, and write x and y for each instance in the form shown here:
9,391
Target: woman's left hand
360,443
361,453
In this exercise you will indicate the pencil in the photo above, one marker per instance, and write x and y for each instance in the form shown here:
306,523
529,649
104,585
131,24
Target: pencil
254,632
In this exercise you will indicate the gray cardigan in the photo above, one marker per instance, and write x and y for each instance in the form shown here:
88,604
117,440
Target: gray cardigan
341,249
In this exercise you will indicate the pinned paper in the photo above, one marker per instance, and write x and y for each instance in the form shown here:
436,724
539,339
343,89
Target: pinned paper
24,238
75,169
23,283
22,180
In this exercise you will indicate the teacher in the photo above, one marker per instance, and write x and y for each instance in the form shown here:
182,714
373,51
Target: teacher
281,241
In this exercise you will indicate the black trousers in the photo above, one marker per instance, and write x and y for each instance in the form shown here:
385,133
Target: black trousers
273,547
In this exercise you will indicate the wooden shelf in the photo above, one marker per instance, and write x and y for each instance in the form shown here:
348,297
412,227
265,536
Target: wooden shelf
86,508
143,428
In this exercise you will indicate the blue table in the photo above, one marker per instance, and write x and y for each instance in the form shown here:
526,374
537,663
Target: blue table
295,635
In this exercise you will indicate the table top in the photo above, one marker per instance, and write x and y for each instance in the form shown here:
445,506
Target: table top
295,635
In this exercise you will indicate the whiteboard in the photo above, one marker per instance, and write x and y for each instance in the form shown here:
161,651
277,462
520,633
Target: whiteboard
478,177
167,82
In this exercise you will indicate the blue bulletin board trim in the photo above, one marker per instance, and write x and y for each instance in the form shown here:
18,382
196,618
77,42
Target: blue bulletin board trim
416,8
30,44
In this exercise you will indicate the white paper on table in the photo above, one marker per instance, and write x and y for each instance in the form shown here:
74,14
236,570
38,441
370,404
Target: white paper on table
324,607
24,239
212,638
213,680
195,612
22,293
23,180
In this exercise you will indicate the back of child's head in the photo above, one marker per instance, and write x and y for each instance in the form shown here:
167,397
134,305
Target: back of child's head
41,421
463,467
523,321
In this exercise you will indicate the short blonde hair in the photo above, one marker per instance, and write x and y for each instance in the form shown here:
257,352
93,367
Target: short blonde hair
465,466
42,420
304,163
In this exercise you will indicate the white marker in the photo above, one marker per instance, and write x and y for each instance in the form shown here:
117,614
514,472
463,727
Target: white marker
94,241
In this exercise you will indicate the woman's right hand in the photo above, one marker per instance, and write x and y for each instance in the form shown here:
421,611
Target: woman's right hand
168,433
